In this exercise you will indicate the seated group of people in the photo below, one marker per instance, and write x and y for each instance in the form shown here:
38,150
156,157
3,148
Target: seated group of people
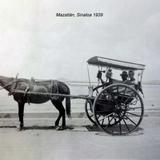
127,78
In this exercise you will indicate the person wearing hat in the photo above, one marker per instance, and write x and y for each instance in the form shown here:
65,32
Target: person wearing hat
124,76
131,76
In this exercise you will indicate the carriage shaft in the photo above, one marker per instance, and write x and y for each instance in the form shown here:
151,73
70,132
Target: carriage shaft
85,97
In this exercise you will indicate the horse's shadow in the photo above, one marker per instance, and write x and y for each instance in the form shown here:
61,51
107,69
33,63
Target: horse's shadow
32,127
36,127
39,128
7,126
46,128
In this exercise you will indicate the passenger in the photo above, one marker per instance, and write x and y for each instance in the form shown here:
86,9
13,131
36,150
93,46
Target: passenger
109,76
131,76
124,76
99,77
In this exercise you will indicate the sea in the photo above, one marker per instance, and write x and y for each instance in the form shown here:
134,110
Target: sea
8,105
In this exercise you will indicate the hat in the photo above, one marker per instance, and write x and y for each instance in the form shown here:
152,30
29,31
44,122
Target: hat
131,72
124,73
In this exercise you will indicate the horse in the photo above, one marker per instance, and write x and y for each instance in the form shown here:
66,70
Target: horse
44,89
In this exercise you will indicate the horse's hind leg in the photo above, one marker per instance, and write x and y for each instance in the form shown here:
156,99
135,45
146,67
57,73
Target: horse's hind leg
61,110
20,114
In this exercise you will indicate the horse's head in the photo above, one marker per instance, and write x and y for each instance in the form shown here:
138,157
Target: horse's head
6,82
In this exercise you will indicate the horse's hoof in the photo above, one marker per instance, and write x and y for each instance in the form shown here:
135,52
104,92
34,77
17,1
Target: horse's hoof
20,128
60,128
70,127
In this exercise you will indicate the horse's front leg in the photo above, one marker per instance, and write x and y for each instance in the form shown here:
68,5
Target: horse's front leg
20,115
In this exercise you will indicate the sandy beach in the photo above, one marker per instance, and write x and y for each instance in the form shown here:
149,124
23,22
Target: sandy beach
40,141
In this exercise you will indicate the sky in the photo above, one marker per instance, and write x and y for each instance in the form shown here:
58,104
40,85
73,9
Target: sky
36,43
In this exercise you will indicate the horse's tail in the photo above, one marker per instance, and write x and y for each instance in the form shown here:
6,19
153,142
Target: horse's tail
68,104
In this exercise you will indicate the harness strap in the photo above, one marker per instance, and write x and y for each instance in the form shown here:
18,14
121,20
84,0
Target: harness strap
54,84
6,85
13,87
57,90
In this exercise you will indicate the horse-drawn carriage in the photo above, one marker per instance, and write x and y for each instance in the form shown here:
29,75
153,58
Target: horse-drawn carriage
115,106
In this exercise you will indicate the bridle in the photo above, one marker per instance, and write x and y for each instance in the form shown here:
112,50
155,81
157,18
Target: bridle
11,84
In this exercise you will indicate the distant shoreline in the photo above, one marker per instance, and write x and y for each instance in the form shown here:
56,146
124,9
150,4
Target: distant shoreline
87,83
151,84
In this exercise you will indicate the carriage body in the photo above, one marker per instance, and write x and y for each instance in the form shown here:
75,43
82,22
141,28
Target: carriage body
116,106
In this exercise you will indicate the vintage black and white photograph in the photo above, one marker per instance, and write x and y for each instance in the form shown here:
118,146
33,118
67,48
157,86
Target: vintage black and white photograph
79,80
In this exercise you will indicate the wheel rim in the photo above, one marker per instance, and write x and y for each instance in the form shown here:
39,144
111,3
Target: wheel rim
118,109
89,111
89,105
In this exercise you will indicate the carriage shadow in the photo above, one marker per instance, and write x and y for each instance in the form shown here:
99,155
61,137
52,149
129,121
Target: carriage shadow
94,128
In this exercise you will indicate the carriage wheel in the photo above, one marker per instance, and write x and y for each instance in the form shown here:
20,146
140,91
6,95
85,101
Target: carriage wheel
118,109
89,105
89,111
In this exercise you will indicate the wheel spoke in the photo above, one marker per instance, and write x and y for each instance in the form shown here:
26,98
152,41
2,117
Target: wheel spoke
109,115
126,124
128,97
117,90
134,114
134,102
104,117
98,116
131,120
103,121
133,108
120,127
110,120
